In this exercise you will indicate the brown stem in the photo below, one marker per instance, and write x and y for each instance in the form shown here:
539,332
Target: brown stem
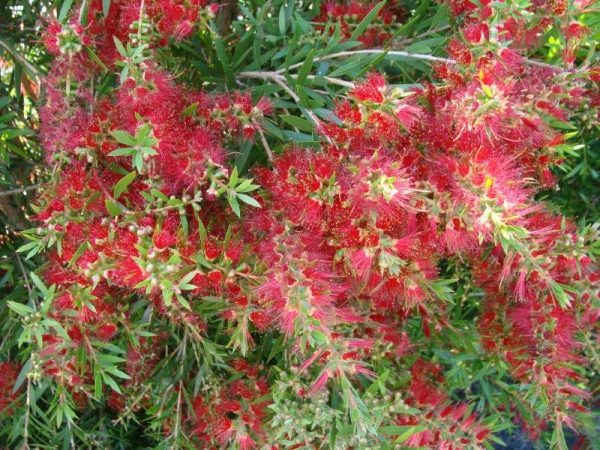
228,10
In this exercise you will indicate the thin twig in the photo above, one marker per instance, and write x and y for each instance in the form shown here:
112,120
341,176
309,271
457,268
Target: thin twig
27,414
331,80
24,62
419,56
272,74
176,431
26,278
373,51
33,187
265,144
131,406
280,80
139,31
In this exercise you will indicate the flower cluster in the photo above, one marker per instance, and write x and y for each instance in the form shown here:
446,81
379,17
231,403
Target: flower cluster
233,412
390,198
496,26
221,311
8,377
159,21
136,207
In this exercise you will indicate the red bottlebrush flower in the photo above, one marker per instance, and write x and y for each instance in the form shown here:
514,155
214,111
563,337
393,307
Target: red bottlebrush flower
265,106
211,251
362,260
320,382
476,32
215,277
511,58
371,90
53,29
576,31
408,115
568,56
107,331
164,239
245,442
214,8
8,376
459,51
413,292
67,39
381,186
261,320
425,383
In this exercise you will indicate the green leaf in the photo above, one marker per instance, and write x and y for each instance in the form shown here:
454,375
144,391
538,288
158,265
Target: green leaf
188,277
39,283
121,186
25,247
190,110
159,195
22,375
5,101
138,161
58,328
105,7
242,157
233,178
20,308
298,122
246,186
106,359
181,299
97,382
411,431
248,200
123,137
319,337
120,47
305,69
418,47
13,133
143,131
122,152
167,296
113,208
224,60
417,18
558,441
118,373
363,25
487,90
64,10
282,21
291,50
95,58
83,12
110,382
80,250
559,293
441,16
235,206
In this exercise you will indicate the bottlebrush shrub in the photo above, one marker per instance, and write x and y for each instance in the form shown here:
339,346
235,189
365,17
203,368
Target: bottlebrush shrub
331,298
